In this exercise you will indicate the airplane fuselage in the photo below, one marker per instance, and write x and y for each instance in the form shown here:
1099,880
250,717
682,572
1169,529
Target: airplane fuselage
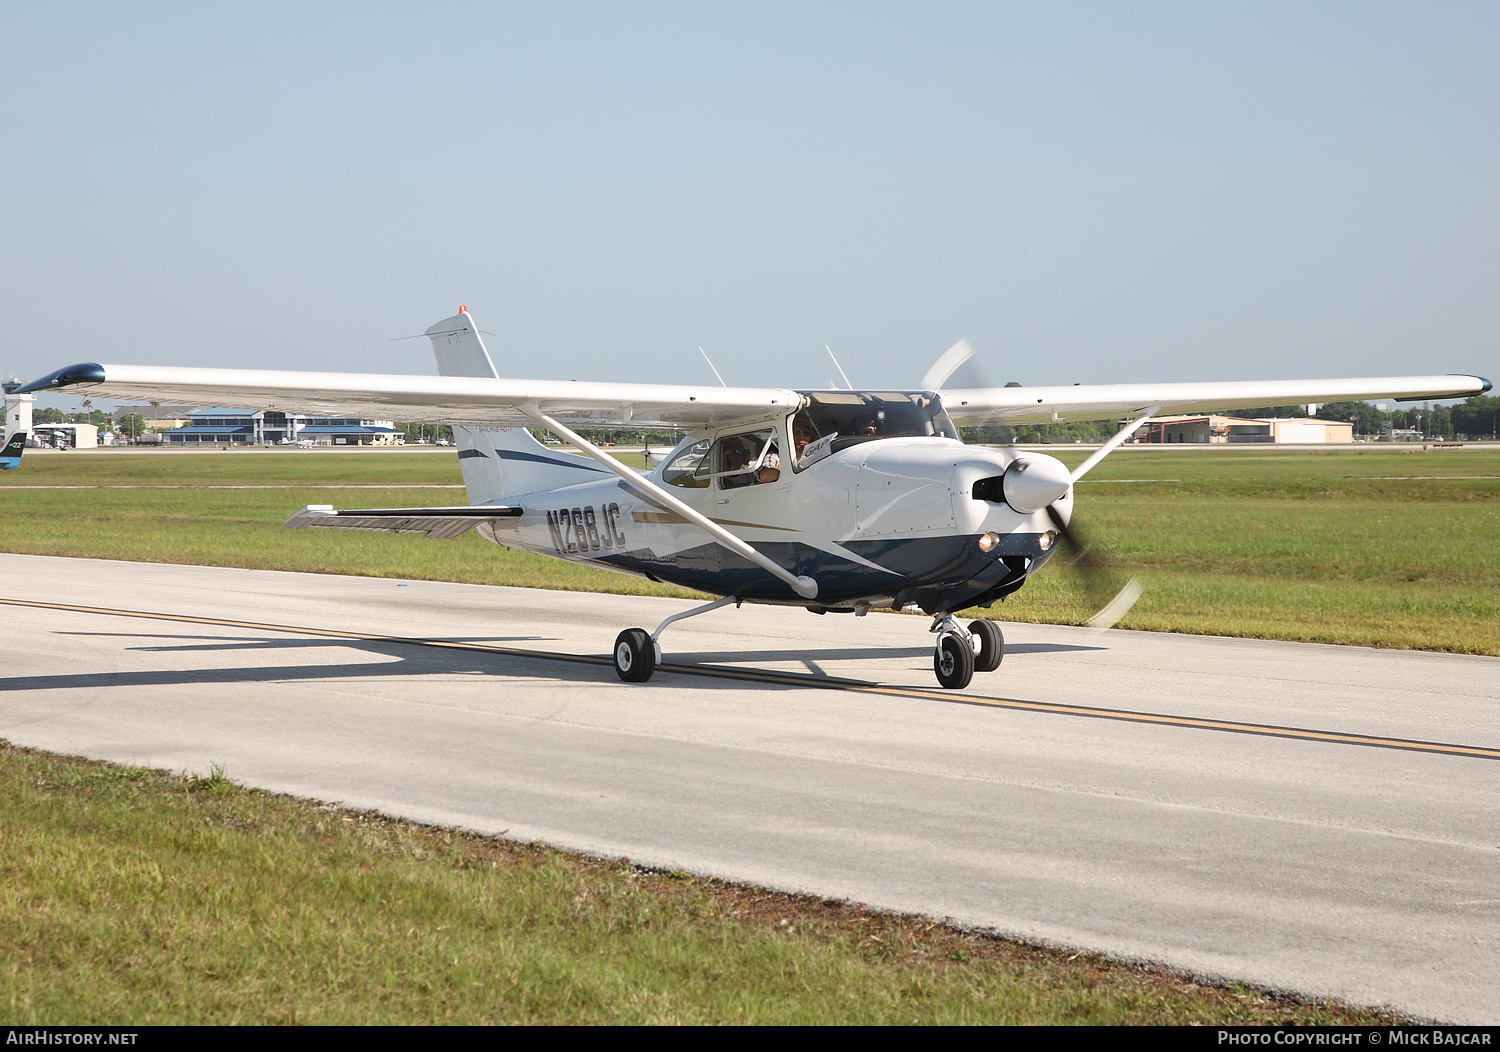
891,522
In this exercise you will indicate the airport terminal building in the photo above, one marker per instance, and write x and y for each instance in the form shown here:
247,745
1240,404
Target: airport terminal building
241,427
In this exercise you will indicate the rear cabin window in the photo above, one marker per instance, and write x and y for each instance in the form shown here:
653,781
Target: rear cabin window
689,468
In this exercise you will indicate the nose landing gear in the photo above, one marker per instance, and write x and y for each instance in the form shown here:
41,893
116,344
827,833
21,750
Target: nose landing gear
961,651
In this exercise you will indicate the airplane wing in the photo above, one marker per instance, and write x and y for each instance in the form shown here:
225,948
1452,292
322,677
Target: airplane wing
425,399
1037,405
470,393
438,523
498,402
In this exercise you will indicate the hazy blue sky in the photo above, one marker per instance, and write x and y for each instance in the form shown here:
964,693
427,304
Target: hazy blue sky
1091,193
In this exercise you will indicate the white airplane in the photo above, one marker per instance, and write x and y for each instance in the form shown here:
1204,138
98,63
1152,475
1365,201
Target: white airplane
839,501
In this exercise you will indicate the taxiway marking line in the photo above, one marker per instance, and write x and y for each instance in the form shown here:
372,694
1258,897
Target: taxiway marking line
822,683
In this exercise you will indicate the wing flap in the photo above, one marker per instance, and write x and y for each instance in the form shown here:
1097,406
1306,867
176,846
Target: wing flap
435,523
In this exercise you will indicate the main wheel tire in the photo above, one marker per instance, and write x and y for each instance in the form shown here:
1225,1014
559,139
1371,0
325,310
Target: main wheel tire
953,662
635,655
991,645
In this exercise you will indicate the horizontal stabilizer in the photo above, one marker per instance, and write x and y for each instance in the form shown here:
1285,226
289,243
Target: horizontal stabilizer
440,523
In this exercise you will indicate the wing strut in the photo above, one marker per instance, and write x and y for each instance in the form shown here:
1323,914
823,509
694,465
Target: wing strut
806,587
1112,445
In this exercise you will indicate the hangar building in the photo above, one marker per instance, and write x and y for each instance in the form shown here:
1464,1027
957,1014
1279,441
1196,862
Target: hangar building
1212,428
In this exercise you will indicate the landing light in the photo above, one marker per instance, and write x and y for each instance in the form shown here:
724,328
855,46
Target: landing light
1044,542
988,541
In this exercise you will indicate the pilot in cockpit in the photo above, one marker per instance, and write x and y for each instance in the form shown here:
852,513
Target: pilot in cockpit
770,467
865,426
802,434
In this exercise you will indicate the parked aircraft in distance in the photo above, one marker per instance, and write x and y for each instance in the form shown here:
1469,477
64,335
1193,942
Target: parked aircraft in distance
10,453
839,501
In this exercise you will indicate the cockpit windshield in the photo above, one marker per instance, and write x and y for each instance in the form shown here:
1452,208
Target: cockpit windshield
835,420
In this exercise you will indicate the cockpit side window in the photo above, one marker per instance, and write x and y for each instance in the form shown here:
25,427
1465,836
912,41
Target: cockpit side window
747,459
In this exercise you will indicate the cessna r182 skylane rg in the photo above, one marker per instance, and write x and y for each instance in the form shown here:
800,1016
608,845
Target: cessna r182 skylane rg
837,501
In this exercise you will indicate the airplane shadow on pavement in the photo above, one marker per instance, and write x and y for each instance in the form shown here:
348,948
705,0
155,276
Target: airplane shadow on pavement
397,658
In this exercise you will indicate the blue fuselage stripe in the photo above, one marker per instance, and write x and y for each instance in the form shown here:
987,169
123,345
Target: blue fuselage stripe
575,463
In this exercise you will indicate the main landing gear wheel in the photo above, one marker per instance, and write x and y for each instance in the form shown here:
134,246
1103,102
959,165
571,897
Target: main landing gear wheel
991,645
635,655
954,661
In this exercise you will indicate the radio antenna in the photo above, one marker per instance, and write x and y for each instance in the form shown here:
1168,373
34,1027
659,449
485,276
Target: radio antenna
847,385
710,362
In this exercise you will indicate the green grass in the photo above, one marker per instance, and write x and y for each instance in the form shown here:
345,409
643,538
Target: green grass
1290,544
1283,544
205,526
130,897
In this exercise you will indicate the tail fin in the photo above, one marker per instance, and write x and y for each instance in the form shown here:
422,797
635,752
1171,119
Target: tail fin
459,350
498,462
10,454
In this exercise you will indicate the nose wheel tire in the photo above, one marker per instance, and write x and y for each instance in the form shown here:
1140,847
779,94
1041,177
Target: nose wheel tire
953,662
991,645
635,655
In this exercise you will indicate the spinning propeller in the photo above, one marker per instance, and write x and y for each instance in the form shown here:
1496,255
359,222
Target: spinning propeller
1031,486
1101,581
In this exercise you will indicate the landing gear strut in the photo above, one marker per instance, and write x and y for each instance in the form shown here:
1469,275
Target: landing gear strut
637,653
961,651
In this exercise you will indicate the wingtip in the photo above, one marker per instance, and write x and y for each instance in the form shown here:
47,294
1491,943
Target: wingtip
82,373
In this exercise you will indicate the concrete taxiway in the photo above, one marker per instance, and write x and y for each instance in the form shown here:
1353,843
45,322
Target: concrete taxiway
1310,818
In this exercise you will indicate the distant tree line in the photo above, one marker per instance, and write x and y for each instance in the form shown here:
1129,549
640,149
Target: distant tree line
1474,418
426,432
97,417
1471,420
